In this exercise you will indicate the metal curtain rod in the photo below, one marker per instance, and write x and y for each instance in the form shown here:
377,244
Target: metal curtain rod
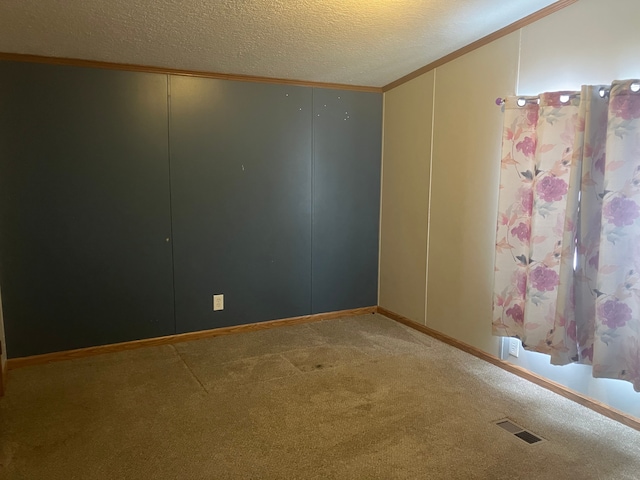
564,98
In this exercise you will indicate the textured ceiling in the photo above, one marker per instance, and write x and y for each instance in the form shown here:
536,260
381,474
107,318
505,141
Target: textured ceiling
360,42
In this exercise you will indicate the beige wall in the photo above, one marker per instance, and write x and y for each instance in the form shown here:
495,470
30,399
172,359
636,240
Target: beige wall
464,190
589,42
598,43
405,192
462,205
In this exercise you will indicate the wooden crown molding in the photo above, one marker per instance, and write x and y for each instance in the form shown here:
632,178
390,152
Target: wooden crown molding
534,17
583,400
14,363
76,62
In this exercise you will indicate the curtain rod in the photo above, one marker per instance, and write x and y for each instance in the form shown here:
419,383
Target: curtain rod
565,97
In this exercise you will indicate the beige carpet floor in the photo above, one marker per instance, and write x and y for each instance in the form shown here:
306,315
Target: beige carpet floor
354,398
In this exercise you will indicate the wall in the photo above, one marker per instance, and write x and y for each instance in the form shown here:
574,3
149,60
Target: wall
405,189
241,201
275,200
599,43
347,138
561,51
466,142
85,214
128,199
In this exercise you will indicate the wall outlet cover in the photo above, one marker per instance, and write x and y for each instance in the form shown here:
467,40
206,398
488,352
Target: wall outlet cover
218,302
514,347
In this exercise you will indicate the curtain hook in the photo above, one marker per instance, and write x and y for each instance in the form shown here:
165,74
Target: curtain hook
521,102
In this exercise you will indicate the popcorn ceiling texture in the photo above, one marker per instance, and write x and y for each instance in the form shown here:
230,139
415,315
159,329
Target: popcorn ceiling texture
360,42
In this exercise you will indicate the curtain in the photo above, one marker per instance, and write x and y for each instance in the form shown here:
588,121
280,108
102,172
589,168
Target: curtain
567,269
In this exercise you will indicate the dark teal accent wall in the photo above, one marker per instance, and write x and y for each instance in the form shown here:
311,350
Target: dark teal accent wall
241,192
347,133
84,207
266,196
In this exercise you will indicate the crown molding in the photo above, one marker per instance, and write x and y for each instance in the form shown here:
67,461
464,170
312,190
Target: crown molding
534,17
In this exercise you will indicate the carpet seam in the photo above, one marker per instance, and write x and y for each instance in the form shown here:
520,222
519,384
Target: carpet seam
189,369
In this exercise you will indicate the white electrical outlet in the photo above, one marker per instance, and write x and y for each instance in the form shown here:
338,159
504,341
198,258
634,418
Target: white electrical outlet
514,347
218,302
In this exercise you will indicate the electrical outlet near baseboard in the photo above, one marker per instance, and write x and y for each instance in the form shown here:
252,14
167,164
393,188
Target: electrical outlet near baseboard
514,347
218,302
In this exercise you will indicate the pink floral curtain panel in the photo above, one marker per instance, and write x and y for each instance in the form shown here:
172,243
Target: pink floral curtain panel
567,271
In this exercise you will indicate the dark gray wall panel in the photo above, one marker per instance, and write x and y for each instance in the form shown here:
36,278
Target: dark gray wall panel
347,132
241,196
84,207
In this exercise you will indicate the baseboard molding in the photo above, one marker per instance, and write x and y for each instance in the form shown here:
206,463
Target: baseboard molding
590,403
14,363
583,400
3,378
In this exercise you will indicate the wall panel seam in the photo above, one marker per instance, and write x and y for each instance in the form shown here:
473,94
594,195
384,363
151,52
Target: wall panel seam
313,200
384,105
171,238
433,125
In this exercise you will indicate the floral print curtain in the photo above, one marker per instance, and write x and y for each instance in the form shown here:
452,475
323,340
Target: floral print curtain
567,271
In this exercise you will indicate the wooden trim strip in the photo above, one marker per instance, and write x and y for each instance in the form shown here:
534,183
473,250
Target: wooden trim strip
77,62
14,363
534,17
3,378
583,400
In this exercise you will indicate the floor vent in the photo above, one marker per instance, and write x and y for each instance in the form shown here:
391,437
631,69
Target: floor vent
518,431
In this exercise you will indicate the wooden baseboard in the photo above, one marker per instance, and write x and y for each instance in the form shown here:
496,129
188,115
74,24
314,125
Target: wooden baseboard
3,378
14,363
595,405
583,400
